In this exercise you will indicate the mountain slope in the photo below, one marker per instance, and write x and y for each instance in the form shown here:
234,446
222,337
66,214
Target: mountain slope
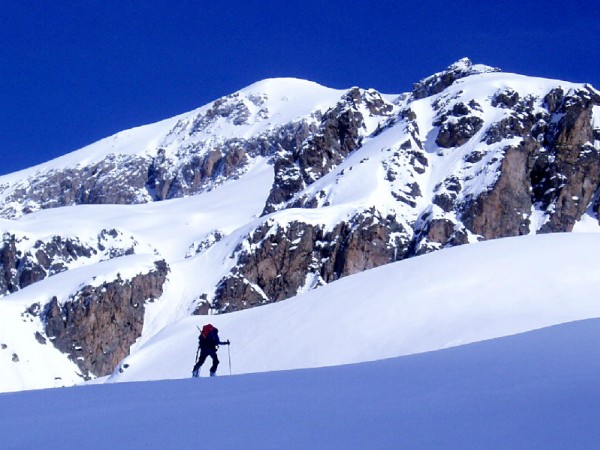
177,156
453,297
188,222
534,390
447,298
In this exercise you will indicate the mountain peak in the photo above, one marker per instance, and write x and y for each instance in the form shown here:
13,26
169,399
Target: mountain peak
436,83
280,84
466,67
288,90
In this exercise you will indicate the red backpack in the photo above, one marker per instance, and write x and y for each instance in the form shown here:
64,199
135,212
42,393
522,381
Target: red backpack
207,336
206,329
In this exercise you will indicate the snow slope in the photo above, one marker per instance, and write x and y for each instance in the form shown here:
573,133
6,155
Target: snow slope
533,390
281,99
188,220
444,299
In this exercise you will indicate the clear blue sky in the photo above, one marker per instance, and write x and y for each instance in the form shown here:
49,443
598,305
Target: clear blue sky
73,72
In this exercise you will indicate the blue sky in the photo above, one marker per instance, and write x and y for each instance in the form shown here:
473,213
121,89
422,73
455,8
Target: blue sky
73,72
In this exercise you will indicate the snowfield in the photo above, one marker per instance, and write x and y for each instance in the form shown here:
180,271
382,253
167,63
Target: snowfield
533,390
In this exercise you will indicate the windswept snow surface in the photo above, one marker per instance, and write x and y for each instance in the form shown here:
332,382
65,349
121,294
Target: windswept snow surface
448,298
533,390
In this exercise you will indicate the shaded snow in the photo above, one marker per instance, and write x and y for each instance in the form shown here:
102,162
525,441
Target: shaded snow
534,390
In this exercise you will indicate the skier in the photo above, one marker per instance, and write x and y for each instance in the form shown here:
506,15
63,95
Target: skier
208,342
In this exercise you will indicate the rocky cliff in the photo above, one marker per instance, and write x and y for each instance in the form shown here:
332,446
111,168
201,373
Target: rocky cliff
25,261
97,325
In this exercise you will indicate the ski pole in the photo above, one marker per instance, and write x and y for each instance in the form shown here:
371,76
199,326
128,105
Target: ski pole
197,351
229,355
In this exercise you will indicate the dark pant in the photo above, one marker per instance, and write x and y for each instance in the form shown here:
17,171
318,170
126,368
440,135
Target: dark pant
205,354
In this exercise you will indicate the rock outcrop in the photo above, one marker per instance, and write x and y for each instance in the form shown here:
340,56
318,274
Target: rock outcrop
279,261
313,150
505,209
436,83
25,262
97,325
117,179
555,168
535,169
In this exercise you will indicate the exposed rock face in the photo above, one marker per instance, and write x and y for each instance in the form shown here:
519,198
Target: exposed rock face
503,211
458,122
115,180
278,262
312,151
432,233
337,136
168,178
24,264
457,133
98,324
8,264
570,172
556,168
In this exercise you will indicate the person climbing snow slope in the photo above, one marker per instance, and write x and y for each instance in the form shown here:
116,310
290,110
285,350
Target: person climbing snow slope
208,343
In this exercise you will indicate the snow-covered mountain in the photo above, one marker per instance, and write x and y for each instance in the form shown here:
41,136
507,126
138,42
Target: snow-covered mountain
277,191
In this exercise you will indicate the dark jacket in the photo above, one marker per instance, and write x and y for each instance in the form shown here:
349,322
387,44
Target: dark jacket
209,343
